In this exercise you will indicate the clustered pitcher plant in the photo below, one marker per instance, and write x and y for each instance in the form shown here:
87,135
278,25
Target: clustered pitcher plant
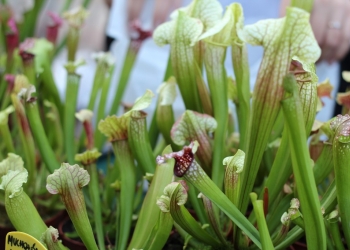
259,176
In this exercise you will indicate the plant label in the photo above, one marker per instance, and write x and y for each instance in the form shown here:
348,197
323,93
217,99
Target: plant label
22,241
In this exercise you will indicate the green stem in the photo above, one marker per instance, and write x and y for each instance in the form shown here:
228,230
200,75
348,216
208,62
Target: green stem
80,220
328,202
139,141
203,91
69,117
293,235
149,210
24,216
165,120
324,164
274,217
278,127
213,219
241,69
27,28
298,220
124,77
341,170
3,86
281,169
40,138
125,163
117,214
197,205
307,192
258,206
5,101
217,80
160,232
99,138
50,86
160,146
98,79
153,132
58,131
6,138
72,43
112,175
27,141
333,226
182,217
96,204
187,238
205,185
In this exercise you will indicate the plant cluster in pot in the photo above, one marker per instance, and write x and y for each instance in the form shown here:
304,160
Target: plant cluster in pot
256,188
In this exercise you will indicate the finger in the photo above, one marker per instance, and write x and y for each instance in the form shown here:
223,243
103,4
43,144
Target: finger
329,48
163,9
345,38
318,20
333,37
134,9
283,7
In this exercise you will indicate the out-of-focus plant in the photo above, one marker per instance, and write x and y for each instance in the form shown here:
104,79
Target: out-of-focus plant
201,186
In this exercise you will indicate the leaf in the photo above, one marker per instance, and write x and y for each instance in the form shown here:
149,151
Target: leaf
181,195
294,31
167,92
208,11
13,181
88,157
67,178
220,32
50,238
28,94
192,125
341,126
84,115
346,76
5,114
12,162
104,58
344,99
76,17
142,102
236,162
115,128
41,48
21,81
324,89
238,17
184,30
71,67
283,39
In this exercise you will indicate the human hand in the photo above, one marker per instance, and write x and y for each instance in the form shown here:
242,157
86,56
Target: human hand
330,21
161,10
